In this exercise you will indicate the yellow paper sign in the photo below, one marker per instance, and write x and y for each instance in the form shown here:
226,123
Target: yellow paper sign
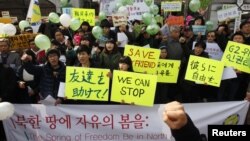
168,71
87,15
237,55
144,59
204,71
134,88
20,42
87,83
5,20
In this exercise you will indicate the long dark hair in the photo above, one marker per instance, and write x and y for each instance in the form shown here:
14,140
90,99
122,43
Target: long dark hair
127,60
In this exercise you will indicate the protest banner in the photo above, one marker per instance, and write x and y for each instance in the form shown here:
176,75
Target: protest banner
5,20
135,10
82,14
144,59
20,42
174,6
67,10
119,19
168,71
175,20
199,29
204,71
134,88
237,55
87,83
37,122
229,13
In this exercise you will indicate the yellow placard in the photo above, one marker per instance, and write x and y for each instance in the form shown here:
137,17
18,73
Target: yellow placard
20,42
134,88
5,20
144,59
87,84
204,71
237,55
87,15
168,71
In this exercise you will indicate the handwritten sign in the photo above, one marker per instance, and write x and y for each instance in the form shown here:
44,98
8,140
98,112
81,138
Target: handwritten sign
174,6
237,55
224,14
144,59
5,20
168,71
199,29
175,20
20,42
204,71
134,87
87,15
135,10
119,19
67,10
87,83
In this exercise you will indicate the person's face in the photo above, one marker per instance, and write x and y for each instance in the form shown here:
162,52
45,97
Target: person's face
110,46
33,45
188,33
163,54
123,66
210,37
198,50
198,22
246,29
85,42
4,47
106,30
238,39
122,28
85,28
83,57
59,36
175,34
53,59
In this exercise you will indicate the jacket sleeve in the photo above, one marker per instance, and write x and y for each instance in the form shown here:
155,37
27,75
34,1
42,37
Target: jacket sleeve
33,69
187,133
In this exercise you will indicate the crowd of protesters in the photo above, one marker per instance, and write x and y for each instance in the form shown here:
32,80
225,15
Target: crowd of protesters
33,74
37,73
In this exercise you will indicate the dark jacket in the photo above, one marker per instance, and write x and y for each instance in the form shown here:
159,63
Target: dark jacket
8,84
187,133
49,78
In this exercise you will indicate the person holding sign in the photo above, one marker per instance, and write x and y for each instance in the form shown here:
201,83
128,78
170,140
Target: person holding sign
125,64
181,125
161,95
110,55
234,89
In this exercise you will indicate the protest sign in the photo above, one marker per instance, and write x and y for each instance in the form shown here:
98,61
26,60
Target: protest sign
168,71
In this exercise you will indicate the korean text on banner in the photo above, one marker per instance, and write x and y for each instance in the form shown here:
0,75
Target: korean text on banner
120,19
87,83
224,14
204,71
199,29
20,42
144,59
237,55
168,71
134,88
171,6
87,15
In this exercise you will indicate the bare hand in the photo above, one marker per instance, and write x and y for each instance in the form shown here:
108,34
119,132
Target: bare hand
174,115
